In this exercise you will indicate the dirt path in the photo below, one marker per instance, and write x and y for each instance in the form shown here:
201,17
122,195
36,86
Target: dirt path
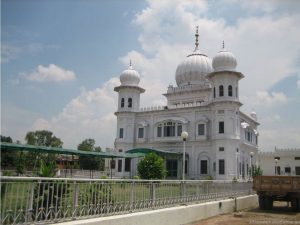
280,215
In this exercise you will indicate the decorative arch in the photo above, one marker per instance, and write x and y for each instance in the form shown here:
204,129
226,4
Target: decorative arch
170,127
122,102
129,102
230,90
221,91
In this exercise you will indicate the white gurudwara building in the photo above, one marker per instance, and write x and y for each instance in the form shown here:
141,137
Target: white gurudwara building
222,140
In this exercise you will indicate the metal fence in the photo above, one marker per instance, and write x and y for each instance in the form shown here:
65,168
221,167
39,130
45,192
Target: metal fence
64,173
28,200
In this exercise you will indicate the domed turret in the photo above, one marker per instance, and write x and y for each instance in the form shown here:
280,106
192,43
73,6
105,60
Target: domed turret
224,60
253,115
130,77
194,68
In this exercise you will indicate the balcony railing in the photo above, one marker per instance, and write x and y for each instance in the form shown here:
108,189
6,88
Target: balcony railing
29,200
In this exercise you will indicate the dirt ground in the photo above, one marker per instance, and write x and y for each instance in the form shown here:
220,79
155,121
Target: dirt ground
280,215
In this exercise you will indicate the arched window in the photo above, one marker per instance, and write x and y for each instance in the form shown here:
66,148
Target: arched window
214,92
229,90
236,92
129,102
169,129
221,90
122,103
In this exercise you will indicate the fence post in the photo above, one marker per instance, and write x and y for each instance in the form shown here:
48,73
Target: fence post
182,191
132,196
30,203
152,194
75,199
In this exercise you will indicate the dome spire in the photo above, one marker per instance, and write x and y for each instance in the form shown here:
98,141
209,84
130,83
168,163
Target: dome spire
197,41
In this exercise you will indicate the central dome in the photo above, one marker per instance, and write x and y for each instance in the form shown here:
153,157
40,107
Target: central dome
194,68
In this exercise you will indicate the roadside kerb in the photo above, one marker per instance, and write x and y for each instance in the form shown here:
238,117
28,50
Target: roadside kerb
174,215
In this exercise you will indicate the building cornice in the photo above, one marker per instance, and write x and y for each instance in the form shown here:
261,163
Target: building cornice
118,88
217,73
249,118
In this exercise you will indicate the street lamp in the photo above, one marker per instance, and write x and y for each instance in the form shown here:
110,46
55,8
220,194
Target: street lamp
276,161
184,136
251,159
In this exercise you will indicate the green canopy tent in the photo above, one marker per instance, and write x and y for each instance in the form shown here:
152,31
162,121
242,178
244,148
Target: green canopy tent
145,151
63,151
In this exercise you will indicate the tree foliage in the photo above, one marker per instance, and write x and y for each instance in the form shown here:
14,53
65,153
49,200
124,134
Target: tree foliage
43,138
256,171
6,139
8,158
39,160
88,162
152,167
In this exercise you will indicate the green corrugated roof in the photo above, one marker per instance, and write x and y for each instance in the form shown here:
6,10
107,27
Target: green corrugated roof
53,150
144,151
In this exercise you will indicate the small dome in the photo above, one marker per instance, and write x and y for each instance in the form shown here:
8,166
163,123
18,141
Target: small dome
253,115
224,60
193,69
130,77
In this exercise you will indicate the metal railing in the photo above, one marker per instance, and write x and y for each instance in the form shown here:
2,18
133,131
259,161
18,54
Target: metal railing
29,200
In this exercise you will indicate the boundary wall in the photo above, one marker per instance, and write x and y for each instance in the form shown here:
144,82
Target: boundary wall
174,215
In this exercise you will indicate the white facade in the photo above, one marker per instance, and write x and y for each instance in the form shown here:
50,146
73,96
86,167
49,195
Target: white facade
287,163
205,103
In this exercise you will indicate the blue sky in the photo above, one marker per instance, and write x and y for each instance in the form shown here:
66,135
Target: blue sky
61,59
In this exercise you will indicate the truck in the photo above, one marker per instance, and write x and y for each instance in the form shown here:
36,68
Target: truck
277,188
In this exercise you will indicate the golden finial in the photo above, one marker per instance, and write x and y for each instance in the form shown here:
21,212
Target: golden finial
197,41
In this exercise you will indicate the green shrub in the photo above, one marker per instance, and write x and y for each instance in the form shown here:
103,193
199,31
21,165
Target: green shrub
208,177
152,167
255,171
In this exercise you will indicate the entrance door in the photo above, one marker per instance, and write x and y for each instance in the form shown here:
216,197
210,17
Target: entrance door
172,167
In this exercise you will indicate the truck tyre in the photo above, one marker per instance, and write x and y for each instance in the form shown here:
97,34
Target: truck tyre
295,204
261,202
268,203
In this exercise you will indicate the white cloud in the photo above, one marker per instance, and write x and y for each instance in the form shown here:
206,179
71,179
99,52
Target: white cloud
264,51
9,52
51,73
257,43
283,138
271,119
15,121
89,115
265,98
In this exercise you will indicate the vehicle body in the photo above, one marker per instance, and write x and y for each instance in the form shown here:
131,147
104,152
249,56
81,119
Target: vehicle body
277,188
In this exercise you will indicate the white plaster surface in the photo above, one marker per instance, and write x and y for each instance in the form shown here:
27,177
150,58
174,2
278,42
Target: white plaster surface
174,215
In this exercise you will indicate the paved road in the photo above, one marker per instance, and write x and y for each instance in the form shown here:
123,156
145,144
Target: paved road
280,215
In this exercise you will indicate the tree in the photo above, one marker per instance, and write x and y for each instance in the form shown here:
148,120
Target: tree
152,167
6,139
255,171
8,158
42,138
88,162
